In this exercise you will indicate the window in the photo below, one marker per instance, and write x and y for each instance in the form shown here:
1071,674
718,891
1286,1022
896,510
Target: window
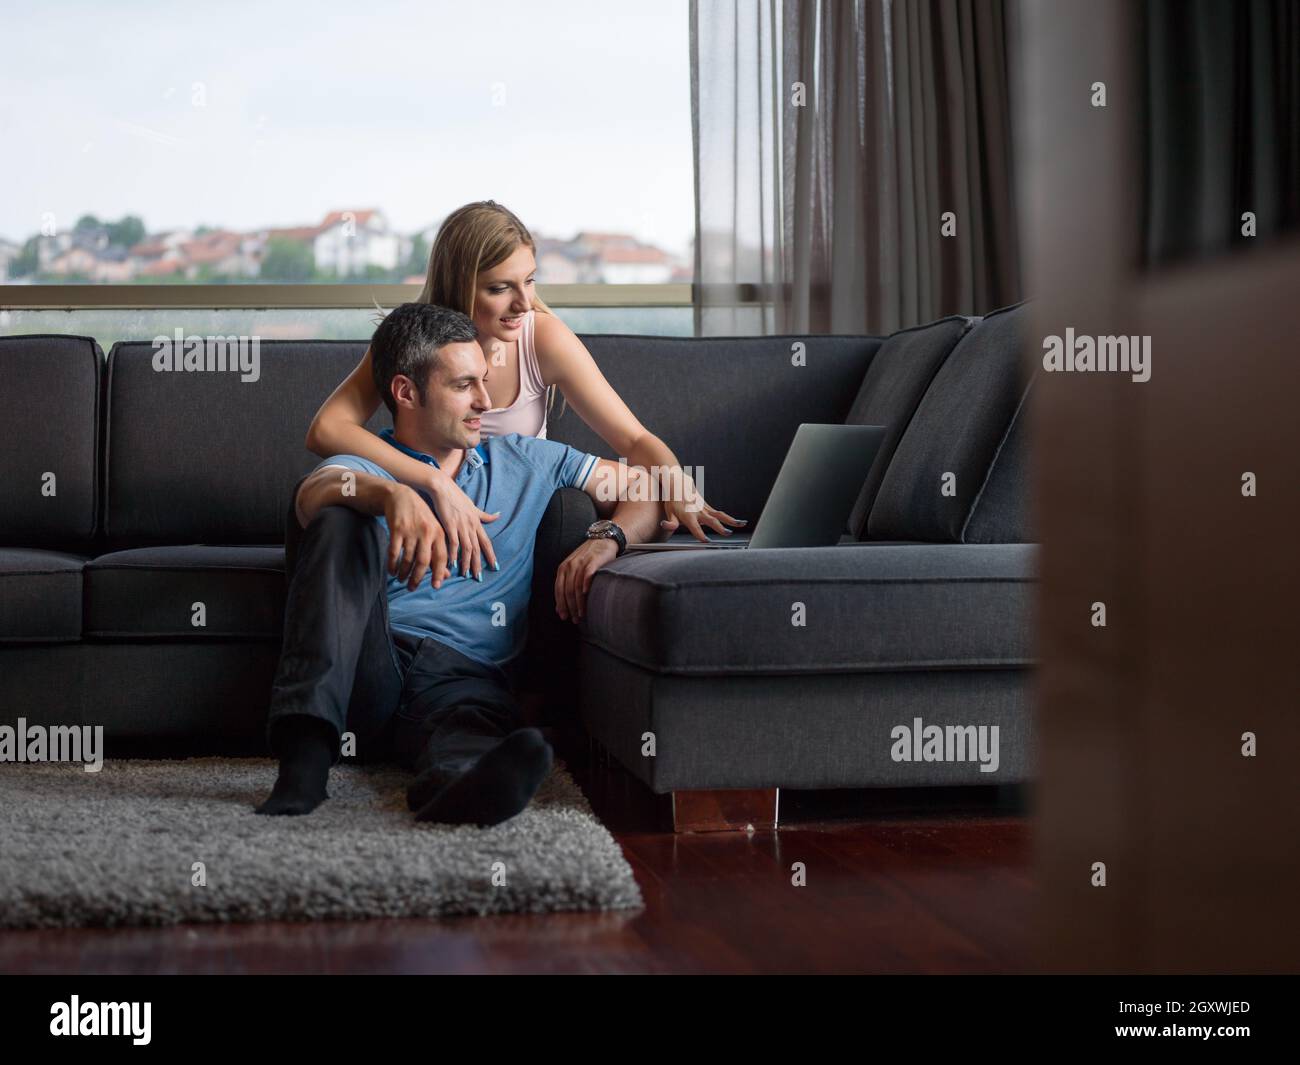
307,143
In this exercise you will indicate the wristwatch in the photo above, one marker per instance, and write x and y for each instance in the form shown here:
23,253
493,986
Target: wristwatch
607,530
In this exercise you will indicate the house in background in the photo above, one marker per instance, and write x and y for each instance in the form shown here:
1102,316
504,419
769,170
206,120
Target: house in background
112,266
591,258
160,255
109,264
223,253
74,260
86,252
50,246
347,242
559,262
637,266
623,259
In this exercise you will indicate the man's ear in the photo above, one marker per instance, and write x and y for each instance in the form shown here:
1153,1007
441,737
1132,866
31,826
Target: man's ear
404,392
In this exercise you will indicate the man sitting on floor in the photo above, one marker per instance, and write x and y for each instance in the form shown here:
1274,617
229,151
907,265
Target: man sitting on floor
412,662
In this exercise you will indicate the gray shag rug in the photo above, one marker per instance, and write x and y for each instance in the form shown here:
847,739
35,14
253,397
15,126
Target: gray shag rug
122,847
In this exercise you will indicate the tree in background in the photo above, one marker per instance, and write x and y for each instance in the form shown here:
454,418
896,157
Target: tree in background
127,231
24,263
287,260
418,263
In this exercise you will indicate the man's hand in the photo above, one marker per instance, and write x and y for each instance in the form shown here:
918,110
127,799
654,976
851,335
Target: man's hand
416,539
415,533
573,578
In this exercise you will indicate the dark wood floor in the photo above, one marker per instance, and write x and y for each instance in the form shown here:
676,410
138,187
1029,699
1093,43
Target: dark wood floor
917,881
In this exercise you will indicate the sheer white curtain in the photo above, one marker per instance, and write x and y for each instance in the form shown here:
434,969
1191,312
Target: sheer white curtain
832,137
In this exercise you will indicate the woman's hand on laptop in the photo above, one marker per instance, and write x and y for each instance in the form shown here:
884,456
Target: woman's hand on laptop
463,522
683,505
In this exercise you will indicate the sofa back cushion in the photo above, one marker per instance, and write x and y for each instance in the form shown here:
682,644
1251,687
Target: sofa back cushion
946,454
49,404
891,391
728,405
1001,512
203,456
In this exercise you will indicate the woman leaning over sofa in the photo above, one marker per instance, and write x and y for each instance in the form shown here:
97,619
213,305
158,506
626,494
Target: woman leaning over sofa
483,264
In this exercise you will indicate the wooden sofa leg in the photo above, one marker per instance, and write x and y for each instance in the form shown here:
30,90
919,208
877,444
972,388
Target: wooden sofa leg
724,810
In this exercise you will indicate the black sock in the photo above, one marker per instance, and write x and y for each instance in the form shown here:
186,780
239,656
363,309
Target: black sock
306,753
497,786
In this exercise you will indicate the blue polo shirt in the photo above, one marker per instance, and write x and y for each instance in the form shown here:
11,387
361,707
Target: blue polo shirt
513,474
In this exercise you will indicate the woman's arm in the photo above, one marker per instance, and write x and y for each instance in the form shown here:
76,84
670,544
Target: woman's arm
565,361
339,428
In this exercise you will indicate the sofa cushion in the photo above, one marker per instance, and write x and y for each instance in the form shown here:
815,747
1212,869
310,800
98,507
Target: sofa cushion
40,595
1001,512
49,406
152,592
728,405
899,375
946,453
204,455
849,608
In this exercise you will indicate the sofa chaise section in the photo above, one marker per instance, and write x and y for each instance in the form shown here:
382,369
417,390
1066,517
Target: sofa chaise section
745,672
790,667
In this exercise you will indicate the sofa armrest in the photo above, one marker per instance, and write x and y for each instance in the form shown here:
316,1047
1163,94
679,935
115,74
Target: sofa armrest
551,654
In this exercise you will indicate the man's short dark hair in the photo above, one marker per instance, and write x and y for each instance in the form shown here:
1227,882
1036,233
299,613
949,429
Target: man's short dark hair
407,342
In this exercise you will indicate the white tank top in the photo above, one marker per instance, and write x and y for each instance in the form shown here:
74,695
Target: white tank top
527,414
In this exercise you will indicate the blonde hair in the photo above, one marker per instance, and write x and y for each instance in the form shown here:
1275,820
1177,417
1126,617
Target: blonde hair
474,238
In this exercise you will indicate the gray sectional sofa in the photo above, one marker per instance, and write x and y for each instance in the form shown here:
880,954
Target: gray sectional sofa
133,495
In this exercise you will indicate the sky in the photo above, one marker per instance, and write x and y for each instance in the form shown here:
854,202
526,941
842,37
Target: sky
575,114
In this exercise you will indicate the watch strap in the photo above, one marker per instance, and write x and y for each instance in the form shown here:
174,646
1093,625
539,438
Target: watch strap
608,530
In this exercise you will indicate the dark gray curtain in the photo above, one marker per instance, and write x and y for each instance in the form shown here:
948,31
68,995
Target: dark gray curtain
827,217
1222,123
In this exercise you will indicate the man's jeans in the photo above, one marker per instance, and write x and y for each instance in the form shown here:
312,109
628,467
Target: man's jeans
417,700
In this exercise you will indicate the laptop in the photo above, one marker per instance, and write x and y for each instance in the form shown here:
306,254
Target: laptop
814,493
